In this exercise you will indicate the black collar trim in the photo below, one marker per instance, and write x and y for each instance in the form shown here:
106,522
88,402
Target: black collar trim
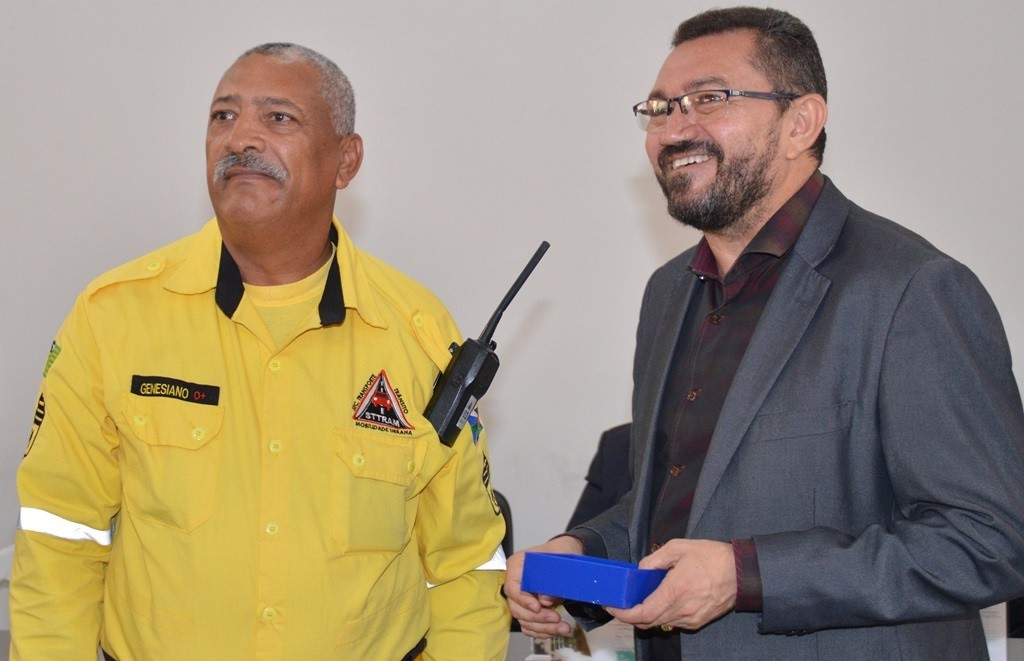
230,287
332,303
229,283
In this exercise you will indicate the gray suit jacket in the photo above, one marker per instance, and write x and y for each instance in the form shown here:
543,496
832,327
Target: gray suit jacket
872,444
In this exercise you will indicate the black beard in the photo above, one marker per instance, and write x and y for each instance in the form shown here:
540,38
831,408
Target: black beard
741,183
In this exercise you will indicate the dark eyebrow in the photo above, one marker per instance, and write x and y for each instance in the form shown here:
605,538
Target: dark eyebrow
273,101
259,101
702,83
692,86
228,98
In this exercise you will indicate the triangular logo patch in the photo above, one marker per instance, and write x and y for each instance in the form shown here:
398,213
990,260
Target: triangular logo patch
382,406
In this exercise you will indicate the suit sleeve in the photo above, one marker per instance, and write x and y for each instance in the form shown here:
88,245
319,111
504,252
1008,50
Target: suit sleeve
608,534
950,426
68,486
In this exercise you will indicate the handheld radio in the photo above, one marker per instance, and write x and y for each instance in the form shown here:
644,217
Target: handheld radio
471,370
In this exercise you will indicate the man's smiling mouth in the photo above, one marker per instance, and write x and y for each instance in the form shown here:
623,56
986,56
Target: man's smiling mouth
688,160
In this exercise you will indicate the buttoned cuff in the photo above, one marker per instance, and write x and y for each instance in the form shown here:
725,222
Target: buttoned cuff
591,541
748,576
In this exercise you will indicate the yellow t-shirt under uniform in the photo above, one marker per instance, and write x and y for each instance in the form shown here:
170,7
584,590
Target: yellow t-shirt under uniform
193,491
284,308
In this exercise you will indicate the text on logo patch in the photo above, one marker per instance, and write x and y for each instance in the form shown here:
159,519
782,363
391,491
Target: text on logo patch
379,406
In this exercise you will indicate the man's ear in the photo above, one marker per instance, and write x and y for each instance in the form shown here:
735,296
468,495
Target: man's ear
808,116
351,159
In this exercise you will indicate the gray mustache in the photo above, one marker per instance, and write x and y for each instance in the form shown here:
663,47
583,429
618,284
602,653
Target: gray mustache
250,161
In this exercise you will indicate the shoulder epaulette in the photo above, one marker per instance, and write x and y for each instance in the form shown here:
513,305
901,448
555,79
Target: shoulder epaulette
142,268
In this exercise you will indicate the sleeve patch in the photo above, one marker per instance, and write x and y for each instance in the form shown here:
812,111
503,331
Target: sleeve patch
485,477
476,425
52,358
37,422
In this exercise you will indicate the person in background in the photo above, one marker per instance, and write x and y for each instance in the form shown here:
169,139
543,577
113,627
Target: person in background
828,442
608,477
229,457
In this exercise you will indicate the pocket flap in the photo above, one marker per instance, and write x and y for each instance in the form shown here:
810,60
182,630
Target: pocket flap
794,424
161,421
381,458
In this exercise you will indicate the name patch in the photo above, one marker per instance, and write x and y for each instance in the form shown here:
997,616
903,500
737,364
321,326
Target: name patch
164,386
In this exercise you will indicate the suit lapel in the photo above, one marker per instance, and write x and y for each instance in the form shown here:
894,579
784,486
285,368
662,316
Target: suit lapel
785,318
789,311
649,403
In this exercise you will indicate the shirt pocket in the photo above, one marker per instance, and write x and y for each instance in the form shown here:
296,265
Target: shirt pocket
374,484
171,455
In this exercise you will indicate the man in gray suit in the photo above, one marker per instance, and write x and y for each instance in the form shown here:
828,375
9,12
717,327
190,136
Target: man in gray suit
828,442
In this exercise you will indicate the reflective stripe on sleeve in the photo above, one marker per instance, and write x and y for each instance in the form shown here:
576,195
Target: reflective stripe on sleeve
50,524
496,562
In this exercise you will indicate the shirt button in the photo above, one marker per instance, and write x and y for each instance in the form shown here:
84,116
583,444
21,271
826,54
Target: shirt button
198,433
693,394
272,529
269,614
359,460
410,466
153,266
418,321
715,319
140,419
675,470
274,366
275,446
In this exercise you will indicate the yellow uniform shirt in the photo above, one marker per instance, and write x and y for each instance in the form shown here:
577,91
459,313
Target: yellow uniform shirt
192,492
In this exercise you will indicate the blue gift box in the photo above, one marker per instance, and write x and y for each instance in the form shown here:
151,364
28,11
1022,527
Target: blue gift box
593,580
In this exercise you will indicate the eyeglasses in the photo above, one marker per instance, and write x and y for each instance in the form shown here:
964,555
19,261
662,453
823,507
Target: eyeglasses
652,114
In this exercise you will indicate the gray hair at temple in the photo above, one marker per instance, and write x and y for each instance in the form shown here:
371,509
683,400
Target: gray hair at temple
334,85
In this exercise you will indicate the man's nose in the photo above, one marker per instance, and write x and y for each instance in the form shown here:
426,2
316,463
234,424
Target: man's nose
679,126
246,133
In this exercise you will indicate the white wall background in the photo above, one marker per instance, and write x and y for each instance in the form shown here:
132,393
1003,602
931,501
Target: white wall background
489,126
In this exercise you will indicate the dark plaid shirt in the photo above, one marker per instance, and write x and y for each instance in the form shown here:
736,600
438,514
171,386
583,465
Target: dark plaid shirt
720,321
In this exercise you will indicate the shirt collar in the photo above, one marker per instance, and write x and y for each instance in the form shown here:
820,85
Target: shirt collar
209,265
777,236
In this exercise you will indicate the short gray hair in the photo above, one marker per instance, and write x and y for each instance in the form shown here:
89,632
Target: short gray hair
334,85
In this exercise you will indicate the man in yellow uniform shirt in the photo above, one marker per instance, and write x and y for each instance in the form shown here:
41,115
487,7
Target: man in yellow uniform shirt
229,458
